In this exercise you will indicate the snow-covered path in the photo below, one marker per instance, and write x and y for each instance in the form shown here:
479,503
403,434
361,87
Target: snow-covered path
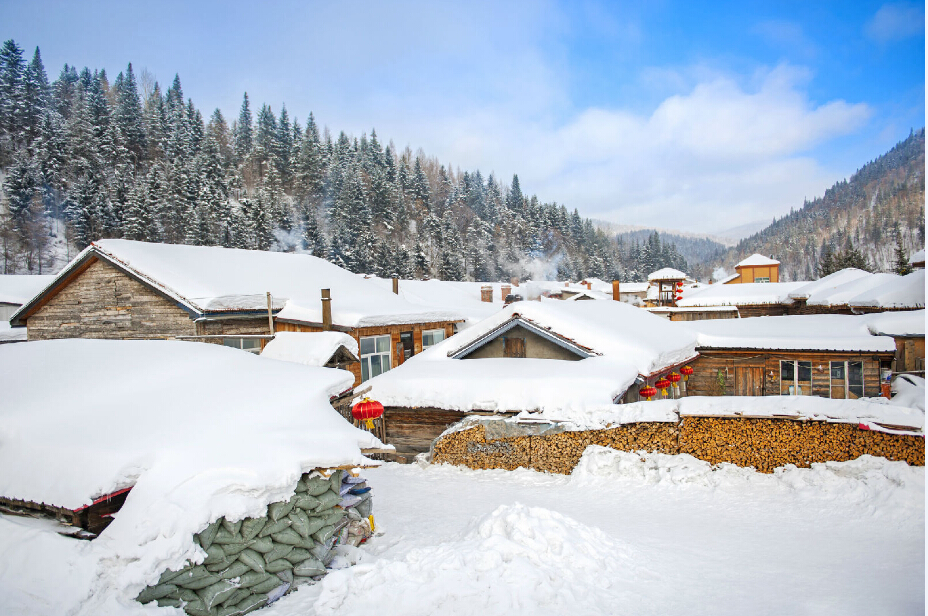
848,539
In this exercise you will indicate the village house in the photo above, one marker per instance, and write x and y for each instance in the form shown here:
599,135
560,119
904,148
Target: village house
548,355
756,269
831,356
121,289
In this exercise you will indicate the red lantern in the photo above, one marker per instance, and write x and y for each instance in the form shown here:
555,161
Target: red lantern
367,410
673,377
648,392
663,384
686,371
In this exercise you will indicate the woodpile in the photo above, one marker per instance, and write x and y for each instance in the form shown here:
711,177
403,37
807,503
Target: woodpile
762,443
253,562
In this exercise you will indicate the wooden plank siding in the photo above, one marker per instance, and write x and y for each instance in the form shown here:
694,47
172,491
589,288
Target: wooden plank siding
766,365
396,356
412,430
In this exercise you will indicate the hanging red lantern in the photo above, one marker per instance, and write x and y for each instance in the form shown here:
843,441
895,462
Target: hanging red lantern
367,410
686,371
662,384
648,392
674,378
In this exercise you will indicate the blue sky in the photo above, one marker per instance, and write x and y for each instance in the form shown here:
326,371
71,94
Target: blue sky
686,115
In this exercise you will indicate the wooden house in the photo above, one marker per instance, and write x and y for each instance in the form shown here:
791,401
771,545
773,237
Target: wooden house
121,289
751,299
756,269
553,355
832,356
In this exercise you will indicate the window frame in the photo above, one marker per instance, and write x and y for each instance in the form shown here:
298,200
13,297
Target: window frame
240,340
432,331
762,279
795,389
846,382
366,357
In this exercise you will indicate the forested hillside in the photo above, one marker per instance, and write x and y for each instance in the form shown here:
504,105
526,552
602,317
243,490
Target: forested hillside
694,255
883,203
84,158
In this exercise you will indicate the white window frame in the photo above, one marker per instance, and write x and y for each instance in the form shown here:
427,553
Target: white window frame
385,356
795,389
440,330
847,378
238,342
762,279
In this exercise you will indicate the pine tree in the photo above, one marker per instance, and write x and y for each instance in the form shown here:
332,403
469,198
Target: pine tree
901,264
243,132
129,117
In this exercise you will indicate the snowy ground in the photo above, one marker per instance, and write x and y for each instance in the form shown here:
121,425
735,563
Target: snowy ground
623,535
626,536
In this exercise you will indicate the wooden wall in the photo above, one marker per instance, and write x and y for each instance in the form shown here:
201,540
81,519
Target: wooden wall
396,357
412,431
103,302
742,369
748,273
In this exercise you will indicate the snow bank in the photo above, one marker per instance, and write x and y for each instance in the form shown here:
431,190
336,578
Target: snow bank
505,384
843,293
12,334
748,294
831,332
901,323
901,292
308,348
829,283
19,289
515,560
909,391
200,430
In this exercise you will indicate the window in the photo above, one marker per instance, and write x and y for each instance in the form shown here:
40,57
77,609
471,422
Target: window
513,347
795,378
375,356
764,279
847,379
432,336
252,345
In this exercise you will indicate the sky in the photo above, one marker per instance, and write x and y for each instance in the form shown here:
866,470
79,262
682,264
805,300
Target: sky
679,115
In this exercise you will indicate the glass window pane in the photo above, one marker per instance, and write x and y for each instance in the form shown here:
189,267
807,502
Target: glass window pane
367,346
805,378
365,371
384,363
235,343
837,371
786,377
250,343
375,365
855,377
383,344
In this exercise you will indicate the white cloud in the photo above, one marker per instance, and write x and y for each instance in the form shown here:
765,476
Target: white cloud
896,21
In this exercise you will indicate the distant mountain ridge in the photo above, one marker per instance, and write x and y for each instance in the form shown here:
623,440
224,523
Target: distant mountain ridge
863,212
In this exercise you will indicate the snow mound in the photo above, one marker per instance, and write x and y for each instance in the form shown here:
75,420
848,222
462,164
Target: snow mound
515,560
909,391
866,478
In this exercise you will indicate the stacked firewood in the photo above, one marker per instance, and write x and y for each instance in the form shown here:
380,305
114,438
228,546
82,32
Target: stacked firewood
764,444
253,562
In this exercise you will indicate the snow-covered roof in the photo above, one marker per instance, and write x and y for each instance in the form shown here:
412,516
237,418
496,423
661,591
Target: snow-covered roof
747,294
19,289
200,431
817,332
213,279
454,296
902,292
845,292
634,287
308,348
584,294
667,273
12,334
757,260
918,257
727,279
829,283
902,323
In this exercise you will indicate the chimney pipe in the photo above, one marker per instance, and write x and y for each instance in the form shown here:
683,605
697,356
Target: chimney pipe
396,285
615,291
589,286
486,293
326,310
505,290
270,316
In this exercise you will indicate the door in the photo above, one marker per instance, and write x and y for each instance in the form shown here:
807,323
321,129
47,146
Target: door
513,347
749,381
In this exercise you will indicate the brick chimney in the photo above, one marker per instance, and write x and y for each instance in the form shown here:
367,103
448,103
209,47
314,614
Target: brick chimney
589,286
505,290
486,293
615,291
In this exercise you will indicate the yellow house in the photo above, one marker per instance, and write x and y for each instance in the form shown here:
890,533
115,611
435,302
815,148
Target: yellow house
757,268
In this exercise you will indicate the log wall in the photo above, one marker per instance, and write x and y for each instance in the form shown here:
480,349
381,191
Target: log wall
763,444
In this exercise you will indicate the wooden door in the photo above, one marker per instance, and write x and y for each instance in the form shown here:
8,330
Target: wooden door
513,347
749,381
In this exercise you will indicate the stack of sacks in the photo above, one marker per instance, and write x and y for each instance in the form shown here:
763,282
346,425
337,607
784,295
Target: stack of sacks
253,562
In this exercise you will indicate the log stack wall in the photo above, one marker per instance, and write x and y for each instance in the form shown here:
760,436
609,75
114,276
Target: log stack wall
761,443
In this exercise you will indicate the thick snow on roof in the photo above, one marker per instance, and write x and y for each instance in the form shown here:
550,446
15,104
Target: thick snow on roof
748,294
814,332
897,323
308,348
12,334
211,278
918,257
462,298
667,273
504,384
757,260
829,283
19,289
200,430
633,287
902,292
846,291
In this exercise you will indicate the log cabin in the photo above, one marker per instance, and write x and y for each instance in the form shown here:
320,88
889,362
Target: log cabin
121,289
550,355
